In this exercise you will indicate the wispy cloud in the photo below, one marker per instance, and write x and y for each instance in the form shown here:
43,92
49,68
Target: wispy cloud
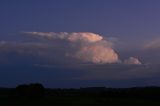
152,45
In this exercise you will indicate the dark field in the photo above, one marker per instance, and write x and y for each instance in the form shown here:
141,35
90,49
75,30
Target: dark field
94,96
77,101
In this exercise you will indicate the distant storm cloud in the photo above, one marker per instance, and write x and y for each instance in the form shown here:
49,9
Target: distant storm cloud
85,46
65,48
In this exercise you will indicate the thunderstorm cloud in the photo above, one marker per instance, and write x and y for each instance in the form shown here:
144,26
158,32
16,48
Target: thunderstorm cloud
64,47
85,46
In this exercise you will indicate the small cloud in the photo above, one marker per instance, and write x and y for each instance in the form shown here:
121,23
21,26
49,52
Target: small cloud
132,60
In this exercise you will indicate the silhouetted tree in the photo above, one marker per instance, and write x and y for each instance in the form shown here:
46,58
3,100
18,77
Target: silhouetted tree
30,91
36,90
22,90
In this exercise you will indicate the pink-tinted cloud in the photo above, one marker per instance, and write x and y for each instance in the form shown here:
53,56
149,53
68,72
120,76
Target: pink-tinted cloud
85,46
132,60
73,37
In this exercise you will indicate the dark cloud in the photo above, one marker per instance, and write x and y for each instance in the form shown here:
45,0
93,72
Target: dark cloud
83,72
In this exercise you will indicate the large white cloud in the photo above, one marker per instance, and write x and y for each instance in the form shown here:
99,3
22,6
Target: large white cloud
85,46
97,54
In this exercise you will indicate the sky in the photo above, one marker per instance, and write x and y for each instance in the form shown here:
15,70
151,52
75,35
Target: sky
80,43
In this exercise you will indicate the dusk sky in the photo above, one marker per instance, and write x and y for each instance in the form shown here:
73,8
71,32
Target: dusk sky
80,43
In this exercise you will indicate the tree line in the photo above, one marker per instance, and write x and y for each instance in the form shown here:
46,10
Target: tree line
37,90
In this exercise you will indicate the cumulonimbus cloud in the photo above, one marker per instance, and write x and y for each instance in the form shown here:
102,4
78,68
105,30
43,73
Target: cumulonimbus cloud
97,54
86,46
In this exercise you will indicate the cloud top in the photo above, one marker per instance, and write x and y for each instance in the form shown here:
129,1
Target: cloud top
73,37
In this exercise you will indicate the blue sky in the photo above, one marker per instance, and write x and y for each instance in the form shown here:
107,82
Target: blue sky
126,33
